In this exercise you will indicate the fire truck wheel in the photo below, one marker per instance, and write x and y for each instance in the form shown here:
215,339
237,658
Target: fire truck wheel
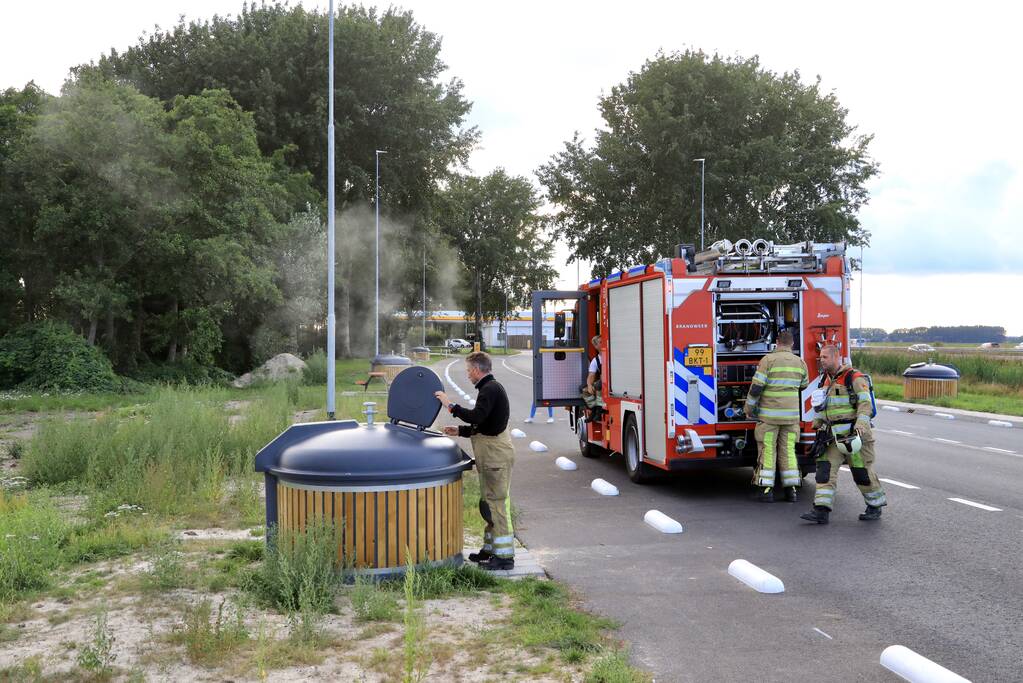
587,449
639,472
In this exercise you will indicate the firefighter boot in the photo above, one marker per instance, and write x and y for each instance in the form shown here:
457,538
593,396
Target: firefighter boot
481,556
818,514
872,513
766,496
495,563
790,495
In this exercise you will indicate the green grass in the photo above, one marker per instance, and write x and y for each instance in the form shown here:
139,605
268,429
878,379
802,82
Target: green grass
299,571
978,369
211,636
614,667
31,533
543,617
1004,403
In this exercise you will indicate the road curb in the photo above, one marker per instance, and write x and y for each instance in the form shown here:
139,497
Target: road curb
942,413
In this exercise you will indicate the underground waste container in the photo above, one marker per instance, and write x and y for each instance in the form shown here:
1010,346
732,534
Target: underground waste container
392,490
930,380
391,364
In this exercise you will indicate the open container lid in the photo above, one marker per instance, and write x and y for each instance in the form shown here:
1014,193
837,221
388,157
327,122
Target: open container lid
346,452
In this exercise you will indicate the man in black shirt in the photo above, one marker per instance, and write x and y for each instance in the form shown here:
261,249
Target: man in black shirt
487,429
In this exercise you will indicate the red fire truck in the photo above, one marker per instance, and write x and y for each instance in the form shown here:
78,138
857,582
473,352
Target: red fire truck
679,343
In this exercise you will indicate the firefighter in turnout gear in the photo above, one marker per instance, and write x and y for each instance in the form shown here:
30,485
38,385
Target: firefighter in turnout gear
845,416
495,456
773,400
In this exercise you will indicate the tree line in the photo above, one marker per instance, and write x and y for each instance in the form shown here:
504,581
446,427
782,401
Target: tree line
169,203
959,334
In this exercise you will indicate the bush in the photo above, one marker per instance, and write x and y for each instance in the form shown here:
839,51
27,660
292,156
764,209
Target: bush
182,372
315,372
299,571
49,356
31,531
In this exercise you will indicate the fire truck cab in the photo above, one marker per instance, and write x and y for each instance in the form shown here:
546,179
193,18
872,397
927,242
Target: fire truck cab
680,341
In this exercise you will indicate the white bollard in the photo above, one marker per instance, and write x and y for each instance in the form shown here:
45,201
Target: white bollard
894,409
999,423
945,416
566,464
518,433
662,522
916,668
604,488
755,577
538,447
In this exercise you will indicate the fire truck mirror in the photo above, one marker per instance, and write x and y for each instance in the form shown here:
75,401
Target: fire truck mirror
559,325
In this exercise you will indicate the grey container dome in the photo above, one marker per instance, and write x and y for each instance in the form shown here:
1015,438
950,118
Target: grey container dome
931,371
347,453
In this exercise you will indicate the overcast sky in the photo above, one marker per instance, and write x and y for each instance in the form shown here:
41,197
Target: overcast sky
938,89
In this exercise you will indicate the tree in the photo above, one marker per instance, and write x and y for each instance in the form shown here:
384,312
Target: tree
782,163
493,223
272,59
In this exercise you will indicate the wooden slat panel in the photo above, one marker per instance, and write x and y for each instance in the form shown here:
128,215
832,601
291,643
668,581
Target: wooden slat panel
300,504
413,526
428,523
359,543
460,534
369,547
392,529
280,507
421,525
380,539
317,514
438,516
309,519
402,526
349,513
337,514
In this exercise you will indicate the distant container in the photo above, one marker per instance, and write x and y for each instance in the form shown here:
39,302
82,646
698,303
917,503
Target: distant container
930,380
420,353
390,365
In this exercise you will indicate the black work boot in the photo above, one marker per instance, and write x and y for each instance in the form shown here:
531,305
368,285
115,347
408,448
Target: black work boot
870,514
790,495
818,514
481,556
766,495
495,563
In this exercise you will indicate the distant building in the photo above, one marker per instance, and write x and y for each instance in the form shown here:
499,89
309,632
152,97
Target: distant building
518,328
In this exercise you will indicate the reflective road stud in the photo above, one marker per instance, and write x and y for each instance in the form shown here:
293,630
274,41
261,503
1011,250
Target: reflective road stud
755,577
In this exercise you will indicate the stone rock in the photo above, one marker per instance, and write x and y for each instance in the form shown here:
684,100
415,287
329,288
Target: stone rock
281,366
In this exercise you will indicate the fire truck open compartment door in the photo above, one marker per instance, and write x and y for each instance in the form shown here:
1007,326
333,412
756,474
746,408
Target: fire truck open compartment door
637,364
560,363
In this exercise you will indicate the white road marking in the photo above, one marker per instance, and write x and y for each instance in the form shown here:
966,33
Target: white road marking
511,369
845,467
822,633
976,505
998,450
938,438
945,416
950,441
999,423
898,483
899,431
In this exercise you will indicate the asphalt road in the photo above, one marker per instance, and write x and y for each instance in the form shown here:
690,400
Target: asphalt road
939,576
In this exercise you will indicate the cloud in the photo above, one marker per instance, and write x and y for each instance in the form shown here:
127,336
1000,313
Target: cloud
932,223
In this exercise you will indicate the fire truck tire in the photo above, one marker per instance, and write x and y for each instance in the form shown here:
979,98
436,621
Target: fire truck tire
639,472
586,449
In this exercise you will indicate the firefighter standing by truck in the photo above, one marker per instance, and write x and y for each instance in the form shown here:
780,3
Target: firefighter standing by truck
844,418
492,447
773,400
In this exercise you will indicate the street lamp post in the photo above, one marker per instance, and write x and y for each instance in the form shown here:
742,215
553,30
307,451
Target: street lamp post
376,205
330,217
424,296
703,168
